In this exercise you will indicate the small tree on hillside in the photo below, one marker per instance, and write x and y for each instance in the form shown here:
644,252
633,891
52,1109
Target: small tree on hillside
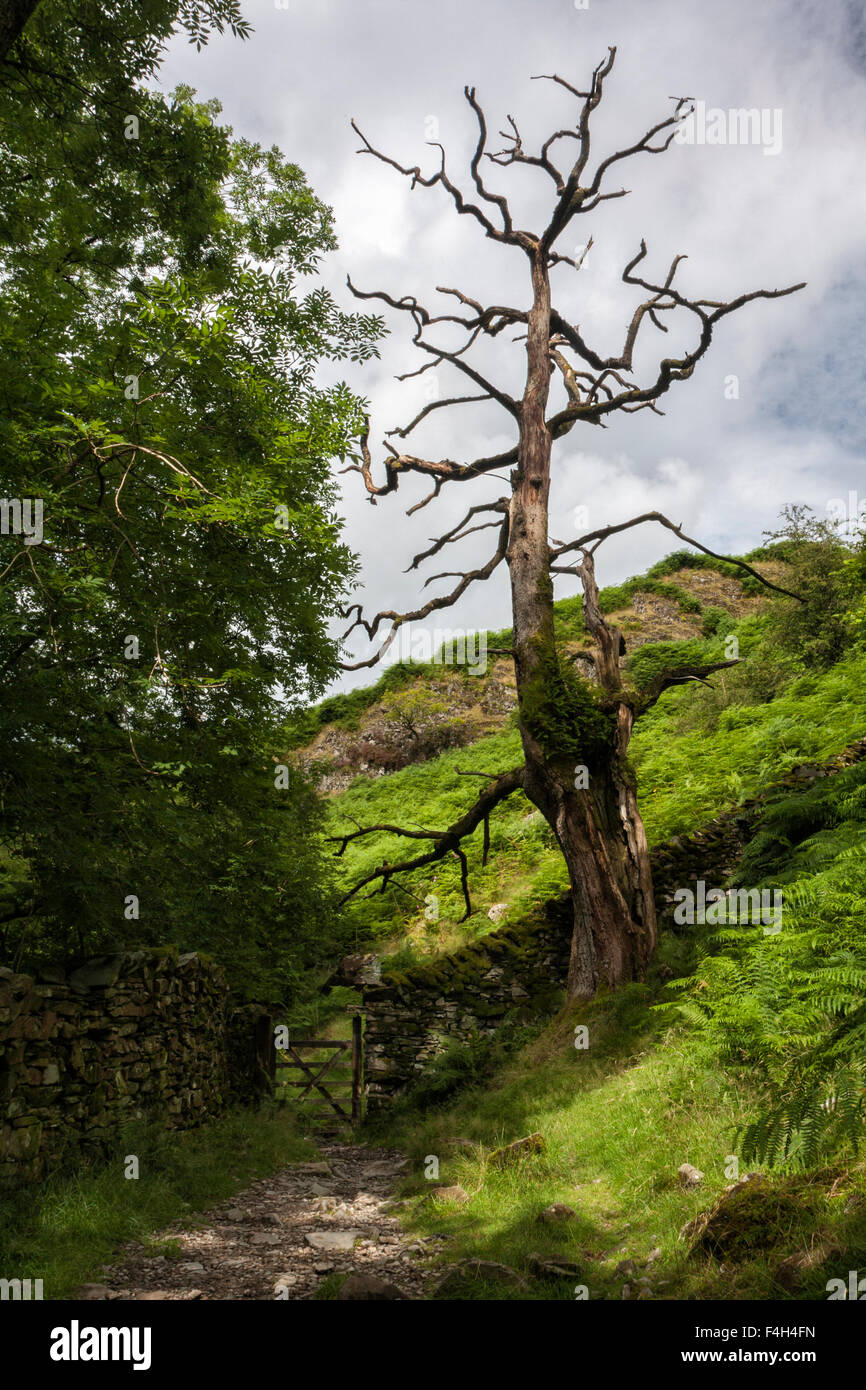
575,728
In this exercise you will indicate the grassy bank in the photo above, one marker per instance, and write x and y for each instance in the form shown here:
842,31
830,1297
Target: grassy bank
618,1119
62,1231
696,753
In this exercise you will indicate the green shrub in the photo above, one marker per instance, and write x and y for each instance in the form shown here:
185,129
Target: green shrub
716,621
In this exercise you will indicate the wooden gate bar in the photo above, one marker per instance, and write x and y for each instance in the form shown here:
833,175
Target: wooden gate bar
314,1070
313,1080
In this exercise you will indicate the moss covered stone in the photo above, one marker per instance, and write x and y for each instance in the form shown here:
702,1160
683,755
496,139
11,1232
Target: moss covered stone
756,1214
152,1032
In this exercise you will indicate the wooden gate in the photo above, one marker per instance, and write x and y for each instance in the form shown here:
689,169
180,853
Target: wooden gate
342,1064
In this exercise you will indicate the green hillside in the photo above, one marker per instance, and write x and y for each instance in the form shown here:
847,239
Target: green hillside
700,750
742,1051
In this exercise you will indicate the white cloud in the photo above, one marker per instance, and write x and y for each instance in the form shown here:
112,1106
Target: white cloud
721,467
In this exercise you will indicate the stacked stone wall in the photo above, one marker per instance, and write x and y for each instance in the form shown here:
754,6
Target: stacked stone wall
139,1035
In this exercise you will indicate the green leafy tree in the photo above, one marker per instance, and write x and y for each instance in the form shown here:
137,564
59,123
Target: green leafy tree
160,334
829,573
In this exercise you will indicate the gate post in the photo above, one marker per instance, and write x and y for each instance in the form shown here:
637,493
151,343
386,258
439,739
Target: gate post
265,1052
357,1069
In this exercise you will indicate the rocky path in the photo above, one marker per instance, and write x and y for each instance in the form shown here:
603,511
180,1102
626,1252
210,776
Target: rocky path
285,1234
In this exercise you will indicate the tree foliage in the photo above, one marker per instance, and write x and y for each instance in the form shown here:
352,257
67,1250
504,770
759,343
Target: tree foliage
160,333
829,570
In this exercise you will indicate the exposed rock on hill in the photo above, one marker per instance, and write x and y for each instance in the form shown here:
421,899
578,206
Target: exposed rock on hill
435,712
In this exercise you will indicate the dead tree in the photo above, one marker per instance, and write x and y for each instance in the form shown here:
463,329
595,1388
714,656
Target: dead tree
567,721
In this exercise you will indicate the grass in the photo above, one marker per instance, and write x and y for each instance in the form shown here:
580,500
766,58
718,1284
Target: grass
618,1120
687,775
695,753
652,1092
63,1231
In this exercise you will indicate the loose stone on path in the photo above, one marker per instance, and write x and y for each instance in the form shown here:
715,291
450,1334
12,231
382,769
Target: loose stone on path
283,1235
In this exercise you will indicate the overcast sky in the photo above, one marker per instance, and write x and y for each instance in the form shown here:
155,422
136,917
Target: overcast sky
746,218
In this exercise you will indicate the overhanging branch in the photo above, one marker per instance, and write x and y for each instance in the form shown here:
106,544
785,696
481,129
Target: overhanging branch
398,620
444,841
605,531
679,676
440,470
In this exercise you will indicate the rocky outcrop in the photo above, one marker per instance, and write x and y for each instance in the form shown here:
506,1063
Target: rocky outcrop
453,710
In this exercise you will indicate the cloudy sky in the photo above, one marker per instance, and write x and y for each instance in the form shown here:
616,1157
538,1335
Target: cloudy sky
787,207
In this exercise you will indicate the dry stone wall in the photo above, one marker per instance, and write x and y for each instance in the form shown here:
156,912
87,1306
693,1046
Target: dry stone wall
516,972
142,1034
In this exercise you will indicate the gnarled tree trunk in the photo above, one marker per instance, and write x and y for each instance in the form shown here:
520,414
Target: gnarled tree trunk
603,842
597,826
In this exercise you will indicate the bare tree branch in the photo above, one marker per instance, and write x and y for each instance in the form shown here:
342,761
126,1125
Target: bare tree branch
590,399
572,195
435,405
423,318
507,234
457,533
398,620
445,841
517,155
495,198
603,532
441,471
671,369
678,676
